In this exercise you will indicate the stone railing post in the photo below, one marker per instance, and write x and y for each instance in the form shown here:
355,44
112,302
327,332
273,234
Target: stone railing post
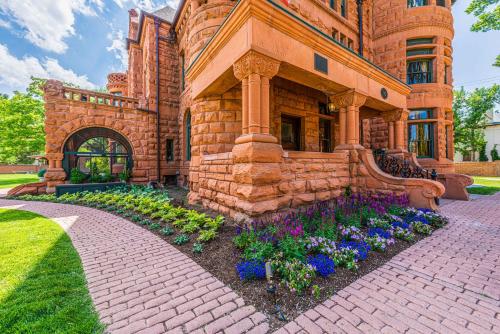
256,153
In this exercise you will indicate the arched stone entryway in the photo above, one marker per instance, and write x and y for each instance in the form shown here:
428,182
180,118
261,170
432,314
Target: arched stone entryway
97,145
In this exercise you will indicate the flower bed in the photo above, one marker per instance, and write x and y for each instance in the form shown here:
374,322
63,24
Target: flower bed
313,252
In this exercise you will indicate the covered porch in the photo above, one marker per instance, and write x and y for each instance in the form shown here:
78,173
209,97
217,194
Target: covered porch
304,116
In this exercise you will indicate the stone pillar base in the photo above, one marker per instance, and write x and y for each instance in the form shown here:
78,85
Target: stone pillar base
257,172
53,177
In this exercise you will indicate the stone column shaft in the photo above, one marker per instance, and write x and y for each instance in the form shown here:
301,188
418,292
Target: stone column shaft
391,135
351,125
343,126
244,105
399,134
254,103
264,107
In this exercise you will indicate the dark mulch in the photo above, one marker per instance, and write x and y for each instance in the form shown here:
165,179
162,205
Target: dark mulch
220,257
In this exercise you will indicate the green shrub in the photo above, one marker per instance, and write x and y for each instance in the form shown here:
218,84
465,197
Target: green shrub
258,250
197,248
167,230
292,249
76,176
181,239
494,153
41,172
206,235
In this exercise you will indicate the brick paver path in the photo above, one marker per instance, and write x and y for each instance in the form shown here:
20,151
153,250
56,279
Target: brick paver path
447,283
141,284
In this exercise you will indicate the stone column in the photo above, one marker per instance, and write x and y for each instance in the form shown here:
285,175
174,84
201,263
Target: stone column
396,120
348,103
257,156
342,126
391,135
55,173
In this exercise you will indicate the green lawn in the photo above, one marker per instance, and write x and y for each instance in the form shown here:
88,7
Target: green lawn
13,180
42,284
490,185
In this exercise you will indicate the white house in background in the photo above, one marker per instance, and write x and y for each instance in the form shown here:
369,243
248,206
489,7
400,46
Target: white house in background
492,136
492,133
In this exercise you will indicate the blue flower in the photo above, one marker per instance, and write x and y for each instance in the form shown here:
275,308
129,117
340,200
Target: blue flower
421,219
372,232
361,247
323,265
248,270
404,226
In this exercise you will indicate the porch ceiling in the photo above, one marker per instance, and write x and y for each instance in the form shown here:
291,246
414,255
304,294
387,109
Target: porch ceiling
268,28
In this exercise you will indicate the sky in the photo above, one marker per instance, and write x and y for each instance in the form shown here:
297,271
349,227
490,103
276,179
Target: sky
80,41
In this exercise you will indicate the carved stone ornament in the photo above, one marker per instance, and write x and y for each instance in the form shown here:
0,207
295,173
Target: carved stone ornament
395,115
347,99
253,62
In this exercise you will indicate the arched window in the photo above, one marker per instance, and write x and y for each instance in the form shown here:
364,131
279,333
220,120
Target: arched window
187,127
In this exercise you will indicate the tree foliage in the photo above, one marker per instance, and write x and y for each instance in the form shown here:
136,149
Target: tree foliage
488,17
470,111
22,124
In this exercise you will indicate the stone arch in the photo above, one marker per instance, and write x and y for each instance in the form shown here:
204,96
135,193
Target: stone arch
75,140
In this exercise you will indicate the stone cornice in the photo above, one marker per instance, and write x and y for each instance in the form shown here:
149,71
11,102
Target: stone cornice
286,22
254,62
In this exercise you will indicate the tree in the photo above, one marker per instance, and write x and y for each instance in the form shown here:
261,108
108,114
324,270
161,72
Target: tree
22,124
470,110
488,17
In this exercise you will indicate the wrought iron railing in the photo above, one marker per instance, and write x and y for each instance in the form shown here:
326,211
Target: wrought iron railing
400,167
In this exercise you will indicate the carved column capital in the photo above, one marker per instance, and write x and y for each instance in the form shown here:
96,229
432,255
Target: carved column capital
395,115
255,63
348,99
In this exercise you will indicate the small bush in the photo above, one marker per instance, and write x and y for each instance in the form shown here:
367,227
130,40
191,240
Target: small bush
197,248
206,235
167,230
181,239
76,176
41,172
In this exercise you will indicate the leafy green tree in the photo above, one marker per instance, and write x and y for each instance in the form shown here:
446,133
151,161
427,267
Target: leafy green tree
470,110
488,17
21,127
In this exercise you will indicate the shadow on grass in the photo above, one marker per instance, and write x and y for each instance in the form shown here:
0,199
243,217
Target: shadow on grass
53,297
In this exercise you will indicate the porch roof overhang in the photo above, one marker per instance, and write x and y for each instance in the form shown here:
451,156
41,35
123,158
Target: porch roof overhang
269,28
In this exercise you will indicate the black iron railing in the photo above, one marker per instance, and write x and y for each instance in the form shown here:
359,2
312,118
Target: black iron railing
399,167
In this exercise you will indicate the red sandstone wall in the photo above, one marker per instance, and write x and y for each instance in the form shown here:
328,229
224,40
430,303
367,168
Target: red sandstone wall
306,177
10,169
478,168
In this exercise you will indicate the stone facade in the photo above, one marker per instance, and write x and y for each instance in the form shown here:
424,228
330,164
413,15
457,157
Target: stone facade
264,105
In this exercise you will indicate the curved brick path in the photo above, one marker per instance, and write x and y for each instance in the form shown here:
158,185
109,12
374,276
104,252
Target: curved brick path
140,283
448,283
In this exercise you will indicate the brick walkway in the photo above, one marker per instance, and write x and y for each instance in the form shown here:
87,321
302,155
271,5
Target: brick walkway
141,284
448,283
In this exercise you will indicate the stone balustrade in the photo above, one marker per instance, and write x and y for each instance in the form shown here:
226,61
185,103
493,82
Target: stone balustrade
88,96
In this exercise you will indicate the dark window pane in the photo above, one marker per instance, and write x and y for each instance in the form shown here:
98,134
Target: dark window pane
421,139
325,135
417,41
343,9
441,3
188,136
332,4
416,52
170,150
420,114
419,71
416,3
290,133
